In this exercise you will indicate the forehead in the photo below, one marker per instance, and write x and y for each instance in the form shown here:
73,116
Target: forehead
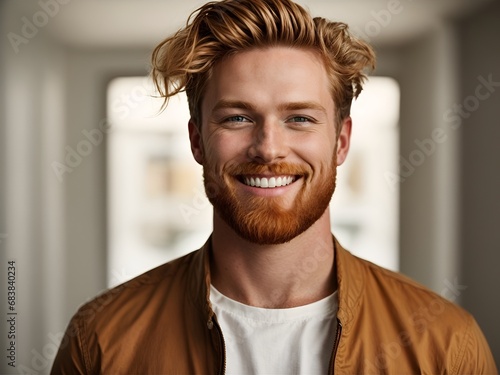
267,57
267,76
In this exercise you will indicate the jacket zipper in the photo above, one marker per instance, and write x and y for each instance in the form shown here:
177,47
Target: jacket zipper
335,347
222,345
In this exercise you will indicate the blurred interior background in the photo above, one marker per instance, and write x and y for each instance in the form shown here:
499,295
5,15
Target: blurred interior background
96,187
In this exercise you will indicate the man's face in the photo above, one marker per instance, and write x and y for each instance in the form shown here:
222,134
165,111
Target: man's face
268,142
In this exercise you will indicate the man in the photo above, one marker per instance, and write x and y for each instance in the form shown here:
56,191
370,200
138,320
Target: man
272,291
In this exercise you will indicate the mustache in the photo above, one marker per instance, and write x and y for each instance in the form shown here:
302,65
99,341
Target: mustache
276,169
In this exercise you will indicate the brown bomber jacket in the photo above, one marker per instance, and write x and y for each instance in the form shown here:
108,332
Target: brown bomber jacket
162,323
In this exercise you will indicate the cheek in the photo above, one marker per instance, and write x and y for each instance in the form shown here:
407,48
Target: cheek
316,151
221,149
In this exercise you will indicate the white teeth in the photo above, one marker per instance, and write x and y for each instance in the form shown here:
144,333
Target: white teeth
268,183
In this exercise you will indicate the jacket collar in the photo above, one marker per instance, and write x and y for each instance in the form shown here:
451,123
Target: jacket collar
350,281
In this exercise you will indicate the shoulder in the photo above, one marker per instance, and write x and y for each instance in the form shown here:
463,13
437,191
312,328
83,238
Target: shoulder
420,321
418,305
132,304
106,331
142,290
390,287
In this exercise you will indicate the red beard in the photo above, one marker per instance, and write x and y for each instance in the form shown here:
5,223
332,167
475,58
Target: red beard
264,220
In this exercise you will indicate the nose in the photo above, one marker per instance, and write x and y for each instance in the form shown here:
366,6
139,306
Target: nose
268,143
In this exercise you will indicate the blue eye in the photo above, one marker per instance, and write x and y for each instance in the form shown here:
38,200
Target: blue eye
236,119
300,119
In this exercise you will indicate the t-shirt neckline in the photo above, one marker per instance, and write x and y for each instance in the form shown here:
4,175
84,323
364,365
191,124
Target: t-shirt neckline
326,307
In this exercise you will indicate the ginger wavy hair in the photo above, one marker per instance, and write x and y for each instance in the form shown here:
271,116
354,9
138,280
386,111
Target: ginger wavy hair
218,29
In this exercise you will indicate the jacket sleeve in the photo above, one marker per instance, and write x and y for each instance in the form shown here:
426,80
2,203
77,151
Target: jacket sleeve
71,357
476,357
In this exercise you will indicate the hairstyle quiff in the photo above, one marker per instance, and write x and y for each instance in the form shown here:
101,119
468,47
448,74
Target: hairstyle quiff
184,61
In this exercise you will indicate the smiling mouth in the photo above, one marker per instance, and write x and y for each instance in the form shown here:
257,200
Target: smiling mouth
268,182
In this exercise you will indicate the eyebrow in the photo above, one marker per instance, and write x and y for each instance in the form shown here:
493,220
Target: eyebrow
221,104
291,106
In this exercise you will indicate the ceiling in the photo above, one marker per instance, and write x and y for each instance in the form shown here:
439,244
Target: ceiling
134,23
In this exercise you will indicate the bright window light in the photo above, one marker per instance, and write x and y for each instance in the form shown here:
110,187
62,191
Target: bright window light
157,208
365,207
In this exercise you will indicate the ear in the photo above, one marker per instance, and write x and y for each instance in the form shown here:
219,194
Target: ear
196,142
344,140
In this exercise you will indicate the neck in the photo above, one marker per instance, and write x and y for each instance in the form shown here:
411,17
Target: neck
274,276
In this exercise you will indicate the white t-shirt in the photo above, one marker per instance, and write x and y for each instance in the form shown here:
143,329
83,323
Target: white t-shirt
296,340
